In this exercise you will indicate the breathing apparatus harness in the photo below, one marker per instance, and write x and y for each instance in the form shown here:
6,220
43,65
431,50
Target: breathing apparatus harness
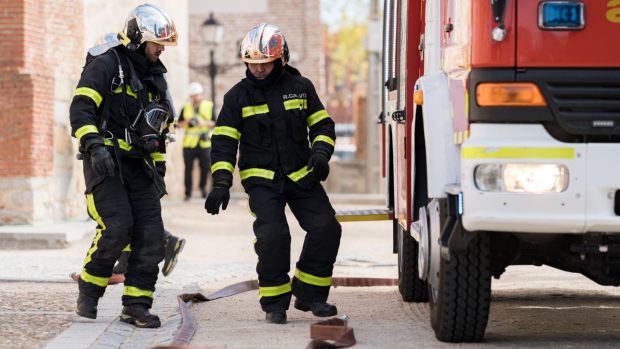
145,129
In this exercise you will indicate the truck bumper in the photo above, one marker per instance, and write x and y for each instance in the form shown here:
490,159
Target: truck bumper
587,204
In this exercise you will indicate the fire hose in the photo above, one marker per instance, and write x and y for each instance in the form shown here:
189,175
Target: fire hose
330,333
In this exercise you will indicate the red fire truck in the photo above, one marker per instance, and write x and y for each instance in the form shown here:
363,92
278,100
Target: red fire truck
501,124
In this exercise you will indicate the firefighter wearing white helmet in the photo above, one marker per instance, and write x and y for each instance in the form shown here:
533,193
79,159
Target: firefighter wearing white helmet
120,116
285,138
197,119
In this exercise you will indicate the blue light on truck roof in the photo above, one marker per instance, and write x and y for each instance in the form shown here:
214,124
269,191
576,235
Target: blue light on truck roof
561,15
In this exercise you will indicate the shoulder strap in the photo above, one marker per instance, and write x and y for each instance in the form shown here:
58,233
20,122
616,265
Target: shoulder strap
117,81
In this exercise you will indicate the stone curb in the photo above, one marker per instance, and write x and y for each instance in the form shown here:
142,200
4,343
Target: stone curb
44,236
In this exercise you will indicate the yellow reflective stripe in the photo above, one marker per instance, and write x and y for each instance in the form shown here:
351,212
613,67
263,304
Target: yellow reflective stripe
299,174
95,280
316,117
256,172
325,139
517,153
297,103
121,143
227,131
136,292
92,210
254,109
222,165
89,92
85,130
127,248
272,291
313,280
158,157
129,92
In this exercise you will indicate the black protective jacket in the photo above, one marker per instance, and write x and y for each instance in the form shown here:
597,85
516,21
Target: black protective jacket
275,128
100,87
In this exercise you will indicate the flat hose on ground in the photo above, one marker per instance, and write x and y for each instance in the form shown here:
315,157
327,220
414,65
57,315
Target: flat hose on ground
330,333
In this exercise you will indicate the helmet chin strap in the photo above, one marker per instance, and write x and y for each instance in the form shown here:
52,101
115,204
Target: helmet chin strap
126,42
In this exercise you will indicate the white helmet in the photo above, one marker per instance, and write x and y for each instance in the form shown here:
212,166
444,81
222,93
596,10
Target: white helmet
195,88
148,23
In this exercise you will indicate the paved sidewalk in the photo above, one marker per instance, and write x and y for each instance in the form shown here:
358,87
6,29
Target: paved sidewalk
219,249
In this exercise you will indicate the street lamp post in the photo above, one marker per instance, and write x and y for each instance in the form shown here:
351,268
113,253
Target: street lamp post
212,32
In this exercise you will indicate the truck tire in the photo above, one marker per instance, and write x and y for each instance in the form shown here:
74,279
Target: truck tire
459,304
410,286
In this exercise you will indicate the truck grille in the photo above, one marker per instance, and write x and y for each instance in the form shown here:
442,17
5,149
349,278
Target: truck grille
584,102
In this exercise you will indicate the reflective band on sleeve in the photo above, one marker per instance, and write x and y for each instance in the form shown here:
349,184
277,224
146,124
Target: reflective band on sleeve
316,117
95,280
297,103
227,131
325,139
89,92
127,248
85,130
255,109
222,165
299,174
272,291
313,280
517,153
121,143
136,292
158,157
256,172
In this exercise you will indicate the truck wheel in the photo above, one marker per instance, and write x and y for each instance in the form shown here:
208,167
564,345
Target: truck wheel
459,303
411,287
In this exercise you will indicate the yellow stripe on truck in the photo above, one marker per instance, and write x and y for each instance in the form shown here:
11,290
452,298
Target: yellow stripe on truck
517,153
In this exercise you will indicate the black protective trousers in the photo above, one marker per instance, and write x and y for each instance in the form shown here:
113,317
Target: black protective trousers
125,213
204,162
316,216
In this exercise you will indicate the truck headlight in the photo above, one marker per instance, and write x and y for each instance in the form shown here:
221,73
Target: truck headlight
527,178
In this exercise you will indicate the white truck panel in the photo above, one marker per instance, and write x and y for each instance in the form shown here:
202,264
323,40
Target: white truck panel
563,212
442,155
603,174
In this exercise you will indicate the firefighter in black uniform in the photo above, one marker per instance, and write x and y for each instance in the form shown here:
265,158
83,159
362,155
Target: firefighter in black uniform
119,114
269,116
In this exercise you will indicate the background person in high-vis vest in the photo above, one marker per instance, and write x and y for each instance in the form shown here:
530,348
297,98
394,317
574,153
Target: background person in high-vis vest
197,119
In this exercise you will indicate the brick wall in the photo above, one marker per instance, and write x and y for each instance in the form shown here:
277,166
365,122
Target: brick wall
27,82
25,132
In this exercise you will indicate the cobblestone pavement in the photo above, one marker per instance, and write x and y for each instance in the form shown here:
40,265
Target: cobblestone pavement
34,313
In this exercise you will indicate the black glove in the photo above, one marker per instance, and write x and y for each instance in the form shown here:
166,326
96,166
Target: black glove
160,166
319,164
101,160
220,195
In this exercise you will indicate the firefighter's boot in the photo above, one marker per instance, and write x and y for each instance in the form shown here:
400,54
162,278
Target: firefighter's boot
138,315
87,306
174,246
320,309
276,317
